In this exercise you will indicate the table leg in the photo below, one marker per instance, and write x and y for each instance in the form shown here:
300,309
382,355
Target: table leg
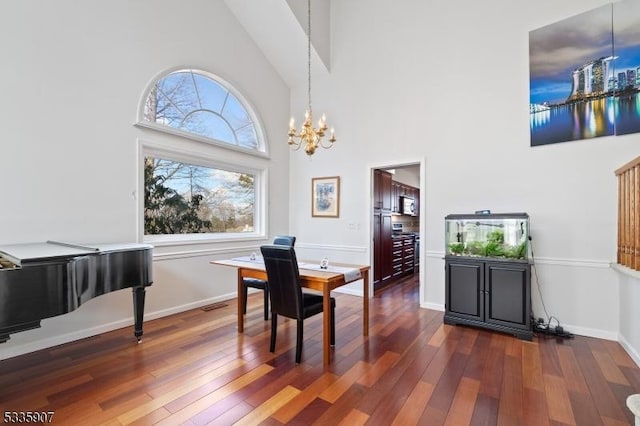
326,327
241,302
365,302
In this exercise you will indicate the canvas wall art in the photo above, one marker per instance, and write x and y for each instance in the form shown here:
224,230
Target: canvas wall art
584,75
626,48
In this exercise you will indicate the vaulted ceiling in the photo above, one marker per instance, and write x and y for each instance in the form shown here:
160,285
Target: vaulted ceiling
279,29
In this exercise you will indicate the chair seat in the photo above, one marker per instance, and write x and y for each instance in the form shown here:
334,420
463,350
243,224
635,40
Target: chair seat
254,283
312,304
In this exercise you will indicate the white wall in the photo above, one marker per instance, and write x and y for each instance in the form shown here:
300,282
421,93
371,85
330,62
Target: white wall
446,83
72,78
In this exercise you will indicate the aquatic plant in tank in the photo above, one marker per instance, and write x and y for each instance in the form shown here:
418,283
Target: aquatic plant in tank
456,248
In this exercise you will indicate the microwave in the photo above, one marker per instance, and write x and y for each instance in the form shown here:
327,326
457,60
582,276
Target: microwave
408,206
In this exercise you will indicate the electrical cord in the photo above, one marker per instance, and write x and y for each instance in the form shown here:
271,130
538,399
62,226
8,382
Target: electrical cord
540,326
535,273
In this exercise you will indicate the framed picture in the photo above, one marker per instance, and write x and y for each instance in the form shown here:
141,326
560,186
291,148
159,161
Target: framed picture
325,196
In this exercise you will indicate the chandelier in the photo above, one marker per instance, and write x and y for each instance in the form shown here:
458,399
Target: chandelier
309,137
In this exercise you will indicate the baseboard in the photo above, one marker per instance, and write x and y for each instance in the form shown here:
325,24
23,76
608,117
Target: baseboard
591,332
630,350
351,291
50,342
433,306
582,331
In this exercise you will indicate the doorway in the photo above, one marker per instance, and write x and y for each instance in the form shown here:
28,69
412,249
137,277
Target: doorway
396,224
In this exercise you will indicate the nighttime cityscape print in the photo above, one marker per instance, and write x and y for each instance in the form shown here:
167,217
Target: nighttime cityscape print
585,75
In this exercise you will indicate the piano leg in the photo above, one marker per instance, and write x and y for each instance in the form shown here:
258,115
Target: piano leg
138,311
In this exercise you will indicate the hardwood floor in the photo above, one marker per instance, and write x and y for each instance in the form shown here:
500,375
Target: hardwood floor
193,368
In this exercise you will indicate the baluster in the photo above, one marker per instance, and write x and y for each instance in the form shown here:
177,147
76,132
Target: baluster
636,217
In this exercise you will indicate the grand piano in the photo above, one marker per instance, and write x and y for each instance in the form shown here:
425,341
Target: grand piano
44,280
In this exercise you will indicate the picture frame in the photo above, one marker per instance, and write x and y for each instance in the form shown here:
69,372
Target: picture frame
325,196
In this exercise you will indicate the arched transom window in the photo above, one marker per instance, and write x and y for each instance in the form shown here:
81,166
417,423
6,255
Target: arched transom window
201,104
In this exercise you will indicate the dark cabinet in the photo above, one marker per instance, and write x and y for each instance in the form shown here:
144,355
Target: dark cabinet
395,197
382,232
377,189
402,256
385,182
489,294
382,190
408,254
382,247
400,190
386,244
377,249
397,258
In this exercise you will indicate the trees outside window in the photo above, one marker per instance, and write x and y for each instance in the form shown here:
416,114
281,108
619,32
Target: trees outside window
182,198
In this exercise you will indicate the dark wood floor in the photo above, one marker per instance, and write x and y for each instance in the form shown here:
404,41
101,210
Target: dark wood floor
193,368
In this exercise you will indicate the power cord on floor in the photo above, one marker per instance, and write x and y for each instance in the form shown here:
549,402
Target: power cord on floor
539,325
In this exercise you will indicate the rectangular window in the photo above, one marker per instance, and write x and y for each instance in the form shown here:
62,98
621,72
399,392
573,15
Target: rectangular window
181,197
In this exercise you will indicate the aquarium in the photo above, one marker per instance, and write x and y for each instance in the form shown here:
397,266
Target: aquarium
504,235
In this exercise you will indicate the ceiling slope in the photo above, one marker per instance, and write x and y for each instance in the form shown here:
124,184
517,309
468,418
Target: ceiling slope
278,32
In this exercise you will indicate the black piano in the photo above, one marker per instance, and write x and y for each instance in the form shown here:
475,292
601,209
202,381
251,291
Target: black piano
43,280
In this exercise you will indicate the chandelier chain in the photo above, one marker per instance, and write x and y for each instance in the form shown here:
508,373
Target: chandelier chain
309,52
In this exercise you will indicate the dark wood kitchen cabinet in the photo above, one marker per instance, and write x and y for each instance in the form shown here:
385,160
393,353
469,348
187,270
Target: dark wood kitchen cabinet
382,190
402,255
382,232
395,197
399,190
382,248
408,254
489,294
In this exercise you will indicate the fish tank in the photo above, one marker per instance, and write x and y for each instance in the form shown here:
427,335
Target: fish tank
497,235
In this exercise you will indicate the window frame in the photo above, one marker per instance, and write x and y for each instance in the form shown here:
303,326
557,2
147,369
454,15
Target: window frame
148,148
262,149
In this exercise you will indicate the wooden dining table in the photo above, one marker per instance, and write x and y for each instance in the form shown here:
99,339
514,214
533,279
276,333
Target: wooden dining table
321,280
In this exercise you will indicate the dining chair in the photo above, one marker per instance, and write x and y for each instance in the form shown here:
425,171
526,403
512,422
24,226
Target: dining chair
285,240
286,295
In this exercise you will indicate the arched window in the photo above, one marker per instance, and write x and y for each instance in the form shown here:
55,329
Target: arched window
200,104
190,193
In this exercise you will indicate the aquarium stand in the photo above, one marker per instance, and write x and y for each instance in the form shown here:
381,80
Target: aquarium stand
489,293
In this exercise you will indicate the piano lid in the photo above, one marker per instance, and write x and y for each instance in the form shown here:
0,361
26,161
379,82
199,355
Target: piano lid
51,250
